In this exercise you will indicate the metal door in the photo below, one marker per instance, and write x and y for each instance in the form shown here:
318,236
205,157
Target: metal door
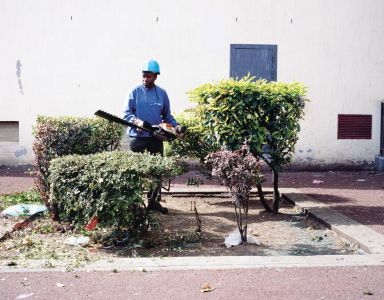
258,60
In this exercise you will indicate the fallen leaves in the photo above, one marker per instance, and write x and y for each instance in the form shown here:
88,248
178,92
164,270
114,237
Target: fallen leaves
48,248
206,288
141,269
317,181
367,292
317,238
92,223
27,241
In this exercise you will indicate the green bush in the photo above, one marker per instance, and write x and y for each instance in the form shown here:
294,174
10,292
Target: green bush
193,144
266,114
106,185
58,136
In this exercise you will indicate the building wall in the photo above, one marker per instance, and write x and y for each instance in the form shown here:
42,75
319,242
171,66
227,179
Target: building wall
74,57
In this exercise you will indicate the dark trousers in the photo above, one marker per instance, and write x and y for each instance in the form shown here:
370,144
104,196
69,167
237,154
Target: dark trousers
153,146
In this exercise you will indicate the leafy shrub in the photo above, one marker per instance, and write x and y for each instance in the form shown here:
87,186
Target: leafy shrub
106,185
58,136
239,170
267,114
193,144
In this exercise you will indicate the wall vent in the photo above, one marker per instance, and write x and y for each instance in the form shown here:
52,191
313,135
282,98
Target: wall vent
9,131
354,127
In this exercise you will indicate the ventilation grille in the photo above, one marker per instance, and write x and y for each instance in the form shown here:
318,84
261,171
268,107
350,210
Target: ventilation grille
354,127
9,131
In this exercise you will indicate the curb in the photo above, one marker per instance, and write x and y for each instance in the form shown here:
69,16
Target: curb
209,263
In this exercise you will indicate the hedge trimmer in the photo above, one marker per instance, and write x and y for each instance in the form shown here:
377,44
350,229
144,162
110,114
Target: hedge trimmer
163,131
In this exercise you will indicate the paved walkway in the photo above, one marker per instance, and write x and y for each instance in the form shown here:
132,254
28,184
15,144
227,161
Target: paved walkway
350,283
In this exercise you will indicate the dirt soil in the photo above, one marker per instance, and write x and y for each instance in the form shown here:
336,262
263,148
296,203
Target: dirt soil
286,233
356,194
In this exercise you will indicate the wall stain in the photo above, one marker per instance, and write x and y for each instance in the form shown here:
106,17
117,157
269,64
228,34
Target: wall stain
18,74
21,151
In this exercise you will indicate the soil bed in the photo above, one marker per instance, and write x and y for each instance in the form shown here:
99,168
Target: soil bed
288,233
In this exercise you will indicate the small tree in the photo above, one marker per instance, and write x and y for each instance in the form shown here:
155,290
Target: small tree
239,170
267,114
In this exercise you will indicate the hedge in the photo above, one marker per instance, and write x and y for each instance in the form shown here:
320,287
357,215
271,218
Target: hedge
108,185
59,136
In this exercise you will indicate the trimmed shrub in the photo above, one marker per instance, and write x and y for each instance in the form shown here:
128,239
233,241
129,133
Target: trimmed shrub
58,136
108,186
266,114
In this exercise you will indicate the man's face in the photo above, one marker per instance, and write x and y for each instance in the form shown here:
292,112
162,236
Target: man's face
149,79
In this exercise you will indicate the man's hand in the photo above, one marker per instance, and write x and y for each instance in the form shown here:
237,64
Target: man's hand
180,131
142,124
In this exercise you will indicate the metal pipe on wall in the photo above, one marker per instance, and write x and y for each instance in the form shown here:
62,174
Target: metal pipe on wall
382,130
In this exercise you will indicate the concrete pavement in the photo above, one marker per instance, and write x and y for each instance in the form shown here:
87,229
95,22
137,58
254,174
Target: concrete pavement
262,283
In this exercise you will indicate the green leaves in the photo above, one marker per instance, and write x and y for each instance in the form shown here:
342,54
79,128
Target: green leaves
193,144
108,185
265,113
59,136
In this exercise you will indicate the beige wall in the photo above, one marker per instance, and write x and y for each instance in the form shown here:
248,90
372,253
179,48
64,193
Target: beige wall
80,56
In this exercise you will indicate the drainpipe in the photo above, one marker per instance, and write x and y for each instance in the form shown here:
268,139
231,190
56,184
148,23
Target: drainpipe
382,130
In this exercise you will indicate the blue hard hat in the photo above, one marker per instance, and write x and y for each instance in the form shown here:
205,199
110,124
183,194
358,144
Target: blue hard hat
151,66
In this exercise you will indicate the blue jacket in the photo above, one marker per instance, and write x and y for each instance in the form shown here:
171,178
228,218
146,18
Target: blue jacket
151,105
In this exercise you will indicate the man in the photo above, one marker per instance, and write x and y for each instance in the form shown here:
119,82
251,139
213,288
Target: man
148,105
